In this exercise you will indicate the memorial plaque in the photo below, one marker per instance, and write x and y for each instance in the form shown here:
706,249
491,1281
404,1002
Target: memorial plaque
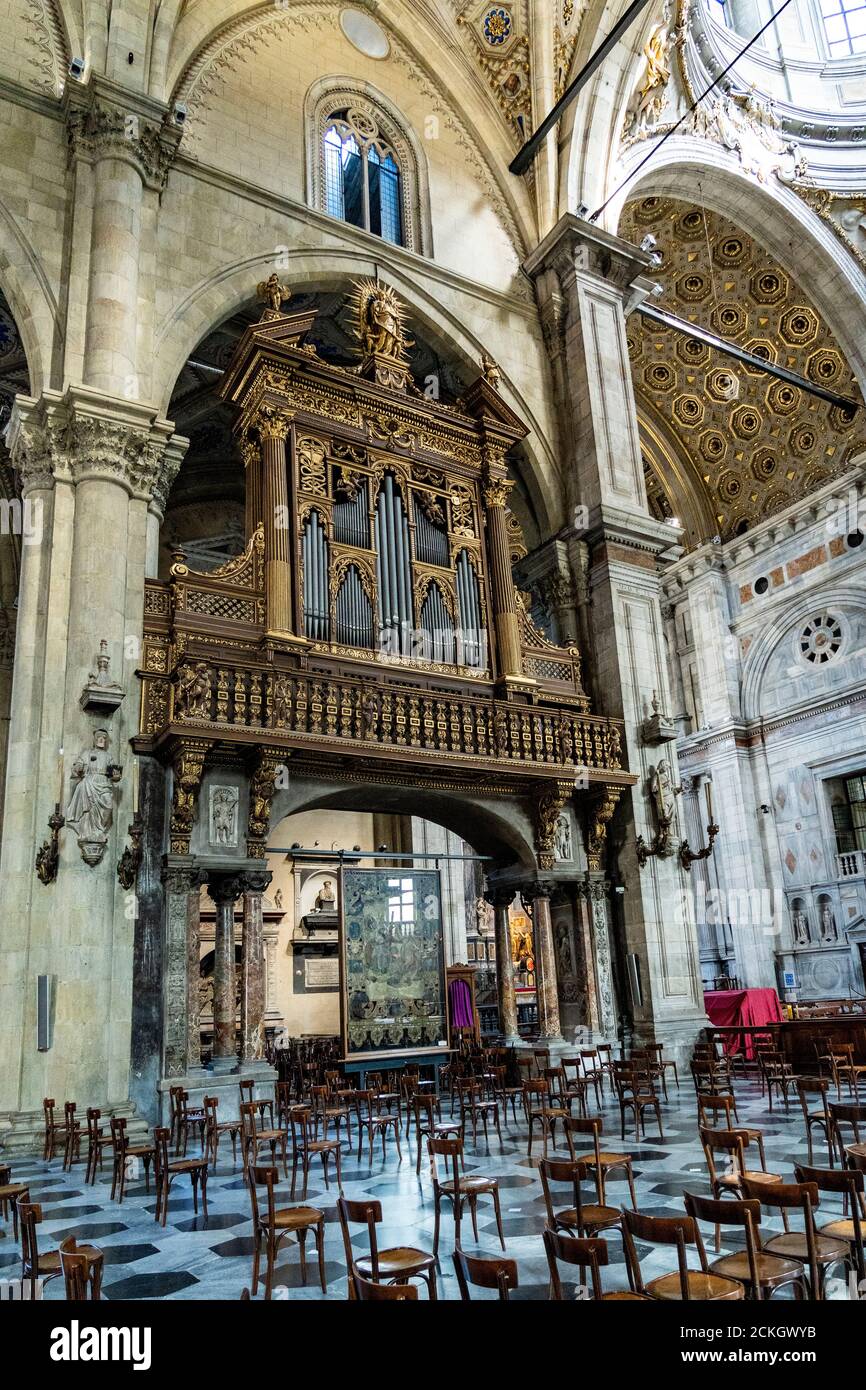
322,972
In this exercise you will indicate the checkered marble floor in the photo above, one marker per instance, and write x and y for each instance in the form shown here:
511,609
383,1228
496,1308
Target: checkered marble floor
189,1259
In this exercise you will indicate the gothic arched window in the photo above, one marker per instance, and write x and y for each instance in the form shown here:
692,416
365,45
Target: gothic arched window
363,178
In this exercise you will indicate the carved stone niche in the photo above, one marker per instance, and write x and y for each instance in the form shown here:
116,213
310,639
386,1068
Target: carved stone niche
659,727
101,695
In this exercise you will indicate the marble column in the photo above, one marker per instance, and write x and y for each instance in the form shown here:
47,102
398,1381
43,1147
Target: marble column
501,899
225,890
594,893
549,1027
181,1045
502,597
253,982
274,428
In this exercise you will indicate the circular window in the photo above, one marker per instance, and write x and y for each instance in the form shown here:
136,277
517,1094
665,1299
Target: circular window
854,540
820,639
365,34
761,585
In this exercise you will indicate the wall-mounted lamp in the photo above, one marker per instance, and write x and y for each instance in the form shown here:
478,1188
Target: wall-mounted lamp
689,857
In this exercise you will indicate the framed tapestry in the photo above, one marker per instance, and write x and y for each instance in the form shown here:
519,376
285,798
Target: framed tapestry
393,997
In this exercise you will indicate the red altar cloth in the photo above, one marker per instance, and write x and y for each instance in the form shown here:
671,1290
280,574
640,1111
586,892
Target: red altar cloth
728,1008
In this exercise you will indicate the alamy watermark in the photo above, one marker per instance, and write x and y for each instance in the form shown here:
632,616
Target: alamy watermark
22,518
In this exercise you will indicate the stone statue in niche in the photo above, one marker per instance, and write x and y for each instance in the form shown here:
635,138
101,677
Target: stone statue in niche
828,923
91,803
564,851
278,898
193,690
801,927
663,794
224,816
326,900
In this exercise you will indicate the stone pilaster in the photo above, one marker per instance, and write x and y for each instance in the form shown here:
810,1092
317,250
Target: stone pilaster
182,878
253,982
594,892
224,889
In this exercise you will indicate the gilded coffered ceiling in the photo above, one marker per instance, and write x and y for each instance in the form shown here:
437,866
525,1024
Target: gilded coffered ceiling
726,446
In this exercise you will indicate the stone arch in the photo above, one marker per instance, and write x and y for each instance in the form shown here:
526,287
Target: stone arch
697,170
778,630
215,299
31,299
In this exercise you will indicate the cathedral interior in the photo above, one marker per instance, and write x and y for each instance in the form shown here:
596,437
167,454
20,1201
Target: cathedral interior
432,644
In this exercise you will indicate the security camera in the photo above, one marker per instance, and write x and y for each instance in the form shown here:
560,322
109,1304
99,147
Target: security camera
649,243
180,113
582,211
657,290
76,68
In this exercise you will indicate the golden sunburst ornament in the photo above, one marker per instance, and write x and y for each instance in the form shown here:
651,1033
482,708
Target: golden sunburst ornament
380,321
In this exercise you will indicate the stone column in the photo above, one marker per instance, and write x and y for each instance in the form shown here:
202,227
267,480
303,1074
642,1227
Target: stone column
182,878
503,601
545,964
225,890
273,426
501,899
253,970
594,892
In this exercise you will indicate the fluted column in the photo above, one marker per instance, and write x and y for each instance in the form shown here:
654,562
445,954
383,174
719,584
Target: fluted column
273,428
252,456
547,993
181,1039
501,899
225,891
253,970
502,597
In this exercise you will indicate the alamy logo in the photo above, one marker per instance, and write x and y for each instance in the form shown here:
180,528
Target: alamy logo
77,1343
18,1289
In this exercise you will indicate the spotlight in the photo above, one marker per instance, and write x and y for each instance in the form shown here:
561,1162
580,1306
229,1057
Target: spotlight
582,211
180,113
381,848
76,68
649,243
297,846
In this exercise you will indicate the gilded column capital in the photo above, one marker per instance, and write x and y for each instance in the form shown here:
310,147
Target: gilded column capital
107,122
496,491
272,422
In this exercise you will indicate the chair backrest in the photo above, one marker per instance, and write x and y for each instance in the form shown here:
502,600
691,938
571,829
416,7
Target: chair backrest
787,1196
370,1292
93,1118
681,1231
851,1183
586,1252
594,1126
248,1119
76,1271
732,1142
29,1216
48,1110
560,1170
745,1213
714,1103
262,1176
365,1212
494,1273
118,1134
451,1150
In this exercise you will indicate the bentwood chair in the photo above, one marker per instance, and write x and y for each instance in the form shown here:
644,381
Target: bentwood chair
72,1135
97,1143
847,1114
816,1253
584,1252
474,1108
585,1218
636,1093
711,1104
394,1266
777,1076
425,1109
505,1094
600,1163
849,1183
819,1119
685,1283
458,1190
576,1083
55,1130
368,1291
126,1156
305,1146
11,1193
82,1270
168,1169
759,1272
247,1089
189,1118
376,1121
252,1138
215,1128
484,1274
539,1110
272,1225
33,1265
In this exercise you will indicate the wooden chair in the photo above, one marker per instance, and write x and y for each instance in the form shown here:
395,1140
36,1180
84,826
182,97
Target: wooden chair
647,1066
425,1107
592,1071
816,1253
72,1136
458,1190
760,1273
848,1183
305,1146
847,1114
606,1061
685,1283
368,1291
474,1107
777,1075
55,1130
710,1103
538,1110
11,1193
808,1086
188,1118
252,1138
327,1111
663,1063
733,1143
576,1083
585,1252
123,1154
97,1143
33,1265
393,1266
82,1270
166,1170
215,1128
376,1121
599,1162
505,1094
484,1274
274,1224
247,1089
635,1092
583,1217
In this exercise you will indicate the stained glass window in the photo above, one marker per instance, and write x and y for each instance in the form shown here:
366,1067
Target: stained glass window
363,182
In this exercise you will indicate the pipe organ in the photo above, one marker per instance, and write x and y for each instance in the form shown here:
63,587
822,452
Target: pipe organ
373,613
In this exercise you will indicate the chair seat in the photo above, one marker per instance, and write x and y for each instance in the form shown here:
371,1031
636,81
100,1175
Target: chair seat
11,1190
49,1263
793,1244
856,1150
617,1295
469,1185
771,1269
400,1260
186,1165
702,1287
320,1146
758,1175
265,1136
555,1112
296,1218
607,1160
138,1150
839,1230
591,1215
